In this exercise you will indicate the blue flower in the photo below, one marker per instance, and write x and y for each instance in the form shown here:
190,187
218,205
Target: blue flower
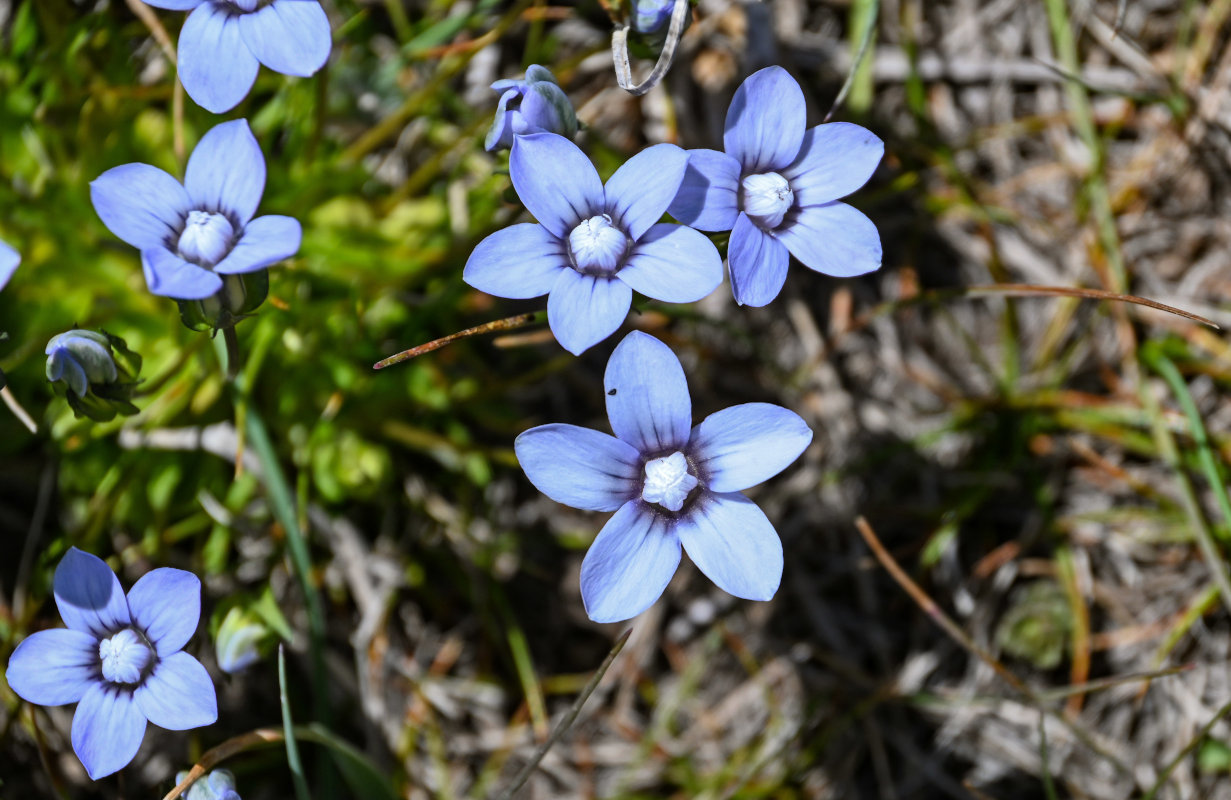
776,186
218,785
119,659
593,245
534,105
671,485
651,16
224,42
9,259
190,236
80,358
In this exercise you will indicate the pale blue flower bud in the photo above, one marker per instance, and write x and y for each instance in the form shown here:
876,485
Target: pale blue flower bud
239,636
536,104
217,785
80,358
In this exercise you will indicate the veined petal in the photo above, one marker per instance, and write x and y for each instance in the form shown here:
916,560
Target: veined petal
140,204
88,594
766,121
833,239
743,445
641,189
107,730
583,310
166,604
708,198
289,36
9,259
629,565
835,160
758,263
55,667
61,366
673,263
168,275
579,467
178,694
517,262
215,66
732,541
647,395
226,171
555,181
265,241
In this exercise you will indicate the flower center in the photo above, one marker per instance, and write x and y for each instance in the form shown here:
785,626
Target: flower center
245,5
124,657
767,197
206,239
597,246
668,481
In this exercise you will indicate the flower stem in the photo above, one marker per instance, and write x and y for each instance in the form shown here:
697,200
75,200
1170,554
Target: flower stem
232,341
568,720
619,53
506,324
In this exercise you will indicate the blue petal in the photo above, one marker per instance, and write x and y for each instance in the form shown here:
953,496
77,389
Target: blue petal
140,204
708,198
743,445
546,109
758,263
168,275
166,604
61,366
579,467
730,539
500,135
265,241
178,695
674,264
53,667
555,181
836,159
88,594
834,239
647,395
641,189
226,172
175,5
289,36
107,730
583,310
9,259
629,565
766,121
215,66
518,262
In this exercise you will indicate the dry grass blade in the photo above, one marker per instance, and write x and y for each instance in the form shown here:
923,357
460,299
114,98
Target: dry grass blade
506,324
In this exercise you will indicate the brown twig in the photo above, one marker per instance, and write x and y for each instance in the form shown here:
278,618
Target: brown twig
506,324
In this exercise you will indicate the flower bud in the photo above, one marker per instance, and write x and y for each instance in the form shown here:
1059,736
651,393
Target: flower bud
239,296
217,785
237,645
95,371
536,104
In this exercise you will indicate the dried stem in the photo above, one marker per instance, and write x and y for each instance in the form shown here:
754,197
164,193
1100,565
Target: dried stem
623,65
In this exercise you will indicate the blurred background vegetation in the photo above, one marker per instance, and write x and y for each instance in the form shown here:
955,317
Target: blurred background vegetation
1052,472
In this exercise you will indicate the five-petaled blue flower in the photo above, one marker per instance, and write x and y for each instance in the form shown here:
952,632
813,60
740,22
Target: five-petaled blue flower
776,186
593,245
536,104
224,42
119,658
9,259
191,235
670,484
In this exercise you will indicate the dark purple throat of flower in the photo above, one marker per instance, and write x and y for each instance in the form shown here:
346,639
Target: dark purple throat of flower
126,657
597,246
766,197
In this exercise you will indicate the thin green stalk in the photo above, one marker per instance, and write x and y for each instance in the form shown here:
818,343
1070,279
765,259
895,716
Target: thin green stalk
1205,452
1165,443
568,720
288,731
